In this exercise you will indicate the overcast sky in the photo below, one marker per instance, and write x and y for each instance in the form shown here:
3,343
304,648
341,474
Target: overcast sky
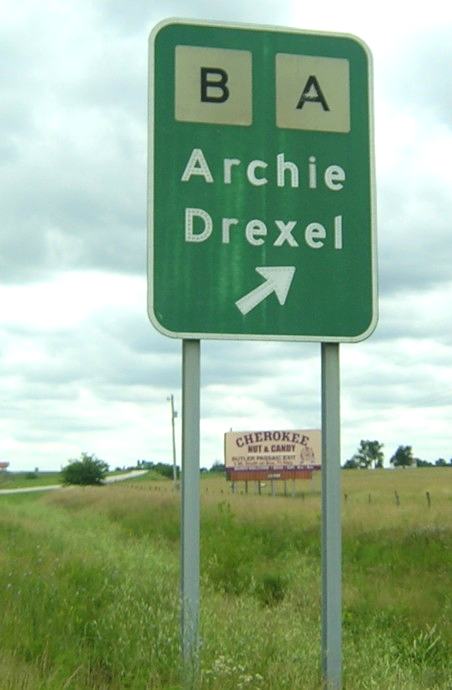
81,367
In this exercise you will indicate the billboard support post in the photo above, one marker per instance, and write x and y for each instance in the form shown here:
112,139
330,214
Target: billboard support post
190,510
331,519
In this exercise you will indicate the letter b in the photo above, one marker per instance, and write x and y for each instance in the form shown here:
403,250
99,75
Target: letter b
218,84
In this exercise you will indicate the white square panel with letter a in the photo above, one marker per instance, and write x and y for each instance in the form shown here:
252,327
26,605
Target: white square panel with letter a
312,93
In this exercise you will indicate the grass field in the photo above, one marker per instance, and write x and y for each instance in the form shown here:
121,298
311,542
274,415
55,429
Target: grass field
90,584
19,480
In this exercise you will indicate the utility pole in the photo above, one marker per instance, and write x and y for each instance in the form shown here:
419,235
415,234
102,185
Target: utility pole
173,417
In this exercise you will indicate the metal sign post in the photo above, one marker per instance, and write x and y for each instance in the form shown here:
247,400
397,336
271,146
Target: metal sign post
190,509
331,519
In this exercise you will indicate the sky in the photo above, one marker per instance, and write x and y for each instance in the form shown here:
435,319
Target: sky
81,367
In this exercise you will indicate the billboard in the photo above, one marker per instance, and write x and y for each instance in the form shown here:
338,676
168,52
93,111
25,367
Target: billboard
272,454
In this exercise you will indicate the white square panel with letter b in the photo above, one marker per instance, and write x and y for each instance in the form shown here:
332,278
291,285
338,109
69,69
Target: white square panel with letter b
213,85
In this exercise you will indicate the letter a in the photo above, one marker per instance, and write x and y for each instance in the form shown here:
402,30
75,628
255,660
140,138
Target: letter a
197,165
312,93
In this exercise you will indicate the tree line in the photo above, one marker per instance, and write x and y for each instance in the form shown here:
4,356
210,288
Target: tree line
89,469
370,454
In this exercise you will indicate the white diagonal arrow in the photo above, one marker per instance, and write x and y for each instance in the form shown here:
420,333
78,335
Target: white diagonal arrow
277,279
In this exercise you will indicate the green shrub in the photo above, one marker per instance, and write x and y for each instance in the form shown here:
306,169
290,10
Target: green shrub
87,470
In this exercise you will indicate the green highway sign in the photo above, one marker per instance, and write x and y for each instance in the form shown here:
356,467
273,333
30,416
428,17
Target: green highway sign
261,203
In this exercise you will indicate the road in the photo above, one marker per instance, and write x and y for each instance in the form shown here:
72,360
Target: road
53,487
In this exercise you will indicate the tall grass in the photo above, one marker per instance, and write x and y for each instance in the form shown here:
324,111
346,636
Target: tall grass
90,588
87,605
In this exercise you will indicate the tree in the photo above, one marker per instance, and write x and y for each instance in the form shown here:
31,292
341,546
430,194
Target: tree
351,464
423,463
87,470
217,467
369,453
403,457
164,469
441,463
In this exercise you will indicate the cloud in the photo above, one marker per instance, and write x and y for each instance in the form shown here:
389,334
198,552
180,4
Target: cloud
73,166
81,368
421,76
